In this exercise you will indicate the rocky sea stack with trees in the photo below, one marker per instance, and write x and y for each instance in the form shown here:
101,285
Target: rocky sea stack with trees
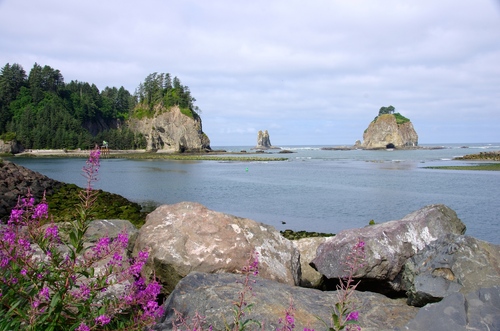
40,111
389,130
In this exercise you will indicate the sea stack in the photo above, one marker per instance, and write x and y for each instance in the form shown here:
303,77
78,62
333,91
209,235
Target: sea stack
389,130
263,141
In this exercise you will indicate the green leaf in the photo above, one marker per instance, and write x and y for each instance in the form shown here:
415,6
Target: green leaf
336,321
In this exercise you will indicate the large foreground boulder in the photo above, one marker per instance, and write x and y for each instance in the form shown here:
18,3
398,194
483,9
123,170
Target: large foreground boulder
187,237
387,245
448,265
212,296
478,310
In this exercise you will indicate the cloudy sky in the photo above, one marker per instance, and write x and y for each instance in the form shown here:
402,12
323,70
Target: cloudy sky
310,72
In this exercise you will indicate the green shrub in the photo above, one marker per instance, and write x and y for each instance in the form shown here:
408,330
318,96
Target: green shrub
400,119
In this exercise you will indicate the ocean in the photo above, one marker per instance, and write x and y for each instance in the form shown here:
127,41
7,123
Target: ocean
314,190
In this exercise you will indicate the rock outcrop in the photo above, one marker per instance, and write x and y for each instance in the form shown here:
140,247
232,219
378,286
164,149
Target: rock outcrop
187,237
384,131
387,245
477,310
307,248
263,141
446,266
12,147
211,295
17,180
172,131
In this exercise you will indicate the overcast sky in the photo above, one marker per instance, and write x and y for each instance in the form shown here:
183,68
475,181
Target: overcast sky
310,72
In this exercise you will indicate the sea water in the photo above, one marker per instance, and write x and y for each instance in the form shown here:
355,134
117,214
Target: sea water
314,190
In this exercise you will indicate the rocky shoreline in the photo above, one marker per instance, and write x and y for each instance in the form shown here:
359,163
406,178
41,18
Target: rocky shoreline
416,271
62,197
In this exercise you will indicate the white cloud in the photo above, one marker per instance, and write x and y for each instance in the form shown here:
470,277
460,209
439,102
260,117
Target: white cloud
314,72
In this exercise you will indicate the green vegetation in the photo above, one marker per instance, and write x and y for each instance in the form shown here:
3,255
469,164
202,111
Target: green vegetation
479,166
107,206
41,111
294,235
400,119
386,110
490,156
159,92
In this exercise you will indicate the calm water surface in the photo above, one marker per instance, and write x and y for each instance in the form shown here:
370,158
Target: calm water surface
315,190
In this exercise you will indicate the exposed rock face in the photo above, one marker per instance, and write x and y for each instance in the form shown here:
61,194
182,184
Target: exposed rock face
187,237
111,228
172,131
211,296
387,245
263,141
12,146
307,248
17,180
385,130
446,266
478,310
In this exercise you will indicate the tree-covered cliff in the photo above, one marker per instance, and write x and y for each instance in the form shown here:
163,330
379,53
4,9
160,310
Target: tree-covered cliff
41,111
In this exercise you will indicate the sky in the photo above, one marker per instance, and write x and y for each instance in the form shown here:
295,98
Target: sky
310,72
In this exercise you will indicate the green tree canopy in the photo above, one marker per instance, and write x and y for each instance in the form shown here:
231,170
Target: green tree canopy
386,110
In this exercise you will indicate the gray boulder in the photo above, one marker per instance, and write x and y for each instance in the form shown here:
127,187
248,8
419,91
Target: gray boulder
387,245
187,237
478,310
212,296
451,264
111,228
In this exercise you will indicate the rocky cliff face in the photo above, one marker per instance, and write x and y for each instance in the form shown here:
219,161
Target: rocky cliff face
12,146
385,131
172,131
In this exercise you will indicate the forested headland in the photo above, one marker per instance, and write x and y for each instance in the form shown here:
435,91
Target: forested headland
41,111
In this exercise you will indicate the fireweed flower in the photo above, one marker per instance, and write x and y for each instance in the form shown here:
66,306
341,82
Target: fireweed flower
122,239
136,267
102,246
41,211
37,276
52,232
28,202
44,293
83,327
9,237
353,316
16,216
102,320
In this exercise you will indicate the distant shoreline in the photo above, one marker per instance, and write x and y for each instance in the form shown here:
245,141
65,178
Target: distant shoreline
143,154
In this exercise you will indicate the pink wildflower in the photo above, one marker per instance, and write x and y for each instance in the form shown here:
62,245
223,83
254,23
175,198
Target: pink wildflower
103,320
16,216
83,327
41,211
52,232
353,316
